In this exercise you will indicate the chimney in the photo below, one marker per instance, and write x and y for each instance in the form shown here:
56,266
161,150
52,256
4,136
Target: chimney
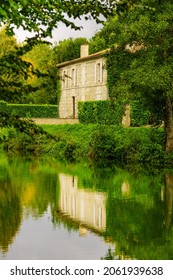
84,50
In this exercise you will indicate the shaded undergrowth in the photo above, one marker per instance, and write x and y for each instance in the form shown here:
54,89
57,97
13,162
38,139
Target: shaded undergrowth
98,144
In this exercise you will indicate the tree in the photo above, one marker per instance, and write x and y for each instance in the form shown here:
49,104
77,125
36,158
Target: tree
12,68
103,39
141,58
7,43
68,49
46,83
42,16
10,209
15,70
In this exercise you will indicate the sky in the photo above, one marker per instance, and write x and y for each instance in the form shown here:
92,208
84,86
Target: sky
89,29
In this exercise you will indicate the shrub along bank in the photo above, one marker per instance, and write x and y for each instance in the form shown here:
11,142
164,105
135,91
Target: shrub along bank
104,144
109,144
100,144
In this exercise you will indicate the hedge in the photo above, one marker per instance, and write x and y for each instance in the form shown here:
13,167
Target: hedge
139,114
108,112
30,110
100,112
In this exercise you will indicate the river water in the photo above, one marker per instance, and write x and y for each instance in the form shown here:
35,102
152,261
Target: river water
52,210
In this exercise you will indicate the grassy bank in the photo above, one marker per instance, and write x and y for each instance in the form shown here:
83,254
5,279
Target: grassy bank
100,144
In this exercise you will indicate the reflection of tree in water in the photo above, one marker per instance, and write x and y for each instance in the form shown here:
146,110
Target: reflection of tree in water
141,225
10,211
34,191
44,184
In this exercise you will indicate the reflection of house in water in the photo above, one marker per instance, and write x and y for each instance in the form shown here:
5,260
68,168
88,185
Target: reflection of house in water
87,207
125,188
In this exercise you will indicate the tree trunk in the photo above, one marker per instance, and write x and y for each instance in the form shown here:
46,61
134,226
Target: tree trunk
169,199
169,125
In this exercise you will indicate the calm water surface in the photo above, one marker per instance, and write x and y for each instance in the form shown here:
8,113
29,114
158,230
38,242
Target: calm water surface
58,211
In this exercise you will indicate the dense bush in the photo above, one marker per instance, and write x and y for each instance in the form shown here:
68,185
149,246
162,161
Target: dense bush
127,145
105,144
30,110
14,142
100,112
99,144
72,141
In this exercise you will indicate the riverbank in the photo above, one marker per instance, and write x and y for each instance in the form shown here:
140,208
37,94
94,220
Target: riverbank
105,145
99,144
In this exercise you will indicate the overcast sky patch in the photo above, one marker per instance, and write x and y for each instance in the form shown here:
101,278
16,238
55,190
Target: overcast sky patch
90,27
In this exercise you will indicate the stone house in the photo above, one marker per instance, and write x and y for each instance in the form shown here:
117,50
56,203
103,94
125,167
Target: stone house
82,79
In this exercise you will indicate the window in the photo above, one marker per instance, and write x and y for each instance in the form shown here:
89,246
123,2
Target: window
98,73
73,77
64,79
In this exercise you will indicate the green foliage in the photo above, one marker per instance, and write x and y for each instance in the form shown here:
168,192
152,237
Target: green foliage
13,69
29,110
7,43
21,135
21,188
43,16
122,145
140,61
102,145
97,44
68,49
100,112
104,38
46,82
105,145
29,77
72,141
139,115
3,106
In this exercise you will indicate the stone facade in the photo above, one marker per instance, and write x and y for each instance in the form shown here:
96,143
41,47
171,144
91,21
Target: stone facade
82,79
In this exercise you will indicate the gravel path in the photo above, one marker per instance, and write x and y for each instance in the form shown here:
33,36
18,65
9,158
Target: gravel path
55,121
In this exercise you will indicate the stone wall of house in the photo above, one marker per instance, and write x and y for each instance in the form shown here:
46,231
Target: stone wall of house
82,81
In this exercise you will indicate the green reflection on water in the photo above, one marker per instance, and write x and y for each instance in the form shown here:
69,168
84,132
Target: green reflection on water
133,211
10,208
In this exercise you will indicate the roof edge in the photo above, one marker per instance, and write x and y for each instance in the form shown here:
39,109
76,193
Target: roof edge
81,59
